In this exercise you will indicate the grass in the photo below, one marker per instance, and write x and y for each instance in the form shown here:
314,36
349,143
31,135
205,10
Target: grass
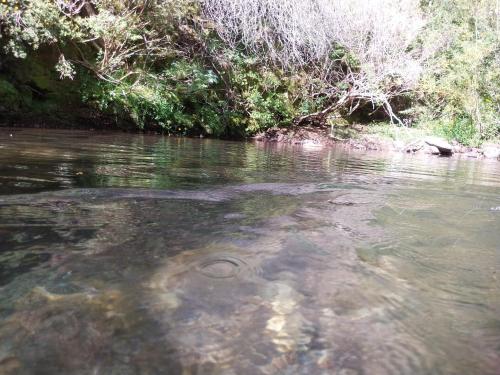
384,130
425,129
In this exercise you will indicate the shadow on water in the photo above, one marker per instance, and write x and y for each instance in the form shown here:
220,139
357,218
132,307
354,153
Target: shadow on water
124,254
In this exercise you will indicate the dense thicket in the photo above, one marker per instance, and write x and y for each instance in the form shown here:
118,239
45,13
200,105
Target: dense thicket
234,67
460,87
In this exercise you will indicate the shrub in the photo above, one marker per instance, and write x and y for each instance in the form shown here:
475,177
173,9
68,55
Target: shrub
461,83
236,67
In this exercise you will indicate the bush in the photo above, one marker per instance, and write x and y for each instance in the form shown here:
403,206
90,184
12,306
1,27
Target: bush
234,68
11,98
461,129
461,83
177,100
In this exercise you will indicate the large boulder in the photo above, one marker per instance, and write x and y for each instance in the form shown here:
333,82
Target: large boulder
431,150
444,147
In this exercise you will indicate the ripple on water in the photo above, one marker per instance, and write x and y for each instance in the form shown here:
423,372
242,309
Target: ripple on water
250,270
222,267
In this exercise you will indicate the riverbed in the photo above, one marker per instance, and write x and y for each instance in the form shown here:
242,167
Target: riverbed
137,254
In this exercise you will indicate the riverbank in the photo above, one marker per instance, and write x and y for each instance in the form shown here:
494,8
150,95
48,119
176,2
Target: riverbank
386,138
381,138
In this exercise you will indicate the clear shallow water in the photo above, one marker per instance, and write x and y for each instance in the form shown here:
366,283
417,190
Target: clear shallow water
128,254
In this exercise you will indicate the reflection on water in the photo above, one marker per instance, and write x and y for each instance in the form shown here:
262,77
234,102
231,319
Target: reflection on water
127,254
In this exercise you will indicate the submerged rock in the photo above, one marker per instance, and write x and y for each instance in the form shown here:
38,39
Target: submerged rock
444,147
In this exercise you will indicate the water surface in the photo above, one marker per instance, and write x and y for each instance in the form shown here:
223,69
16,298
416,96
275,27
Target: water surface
129,254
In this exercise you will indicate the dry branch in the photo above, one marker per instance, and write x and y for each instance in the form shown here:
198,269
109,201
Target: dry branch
298,34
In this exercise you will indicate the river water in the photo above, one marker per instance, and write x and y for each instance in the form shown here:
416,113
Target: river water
132,254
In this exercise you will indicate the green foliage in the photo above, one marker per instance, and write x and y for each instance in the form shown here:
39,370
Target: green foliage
180,99
461,86
188,98
38,22
159,65
461,129
147,64
10,96
263,95
345,57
